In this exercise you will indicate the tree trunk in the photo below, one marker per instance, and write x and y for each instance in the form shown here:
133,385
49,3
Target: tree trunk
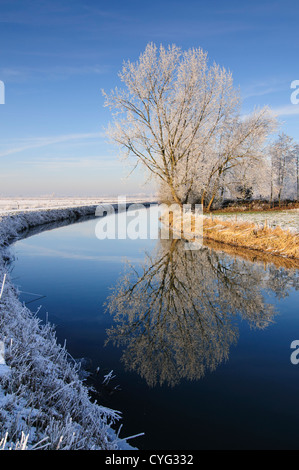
211,202
174,195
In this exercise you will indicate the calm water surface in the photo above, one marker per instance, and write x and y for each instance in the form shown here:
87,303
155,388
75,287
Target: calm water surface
198,341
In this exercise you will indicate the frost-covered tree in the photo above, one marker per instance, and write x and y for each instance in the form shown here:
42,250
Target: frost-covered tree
249,180
284,167
180,118
296,155
238,156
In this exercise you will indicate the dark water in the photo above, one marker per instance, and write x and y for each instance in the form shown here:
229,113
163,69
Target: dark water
199,341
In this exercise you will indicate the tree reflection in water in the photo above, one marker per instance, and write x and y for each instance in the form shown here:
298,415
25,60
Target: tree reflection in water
177,317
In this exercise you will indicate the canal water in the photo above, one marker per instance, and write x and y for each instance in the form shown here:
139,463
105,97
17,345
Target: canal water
199,341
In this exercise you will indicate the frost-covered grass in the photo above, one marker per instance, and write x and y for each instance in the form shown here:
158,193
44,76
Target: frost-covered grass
13,224
287,220
16,204
10,205
44,404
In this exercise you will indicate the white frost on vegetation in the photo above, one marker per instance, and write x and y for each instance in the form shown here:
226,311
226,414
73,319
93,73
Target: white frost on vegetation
43,402
287,220
13,205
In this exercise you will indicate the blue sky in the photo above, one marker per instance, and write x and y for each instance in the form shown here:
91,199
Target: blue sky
56,56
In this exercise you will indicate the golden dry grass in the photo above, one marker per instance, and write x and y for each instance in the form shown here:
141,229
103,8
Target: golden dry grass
271,241
245,235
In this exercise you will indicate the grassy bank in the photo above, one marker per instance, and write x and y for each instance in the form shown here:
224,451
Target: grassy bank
246,235
275,241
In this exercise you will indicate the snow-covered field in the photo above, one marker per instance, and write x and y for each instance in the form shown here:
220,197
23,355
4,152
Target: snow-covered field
44,404
287,220
9,205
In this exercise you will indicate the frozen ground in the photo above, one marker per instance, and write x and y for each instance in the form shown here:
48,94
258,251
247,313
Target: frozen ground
9,205
43,402
287,220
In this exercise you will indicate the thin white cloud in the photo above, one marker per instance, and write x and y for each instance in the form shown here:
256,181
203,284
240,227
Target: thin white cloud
290,110
21,74
93,162
39,142
264,87
261,91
